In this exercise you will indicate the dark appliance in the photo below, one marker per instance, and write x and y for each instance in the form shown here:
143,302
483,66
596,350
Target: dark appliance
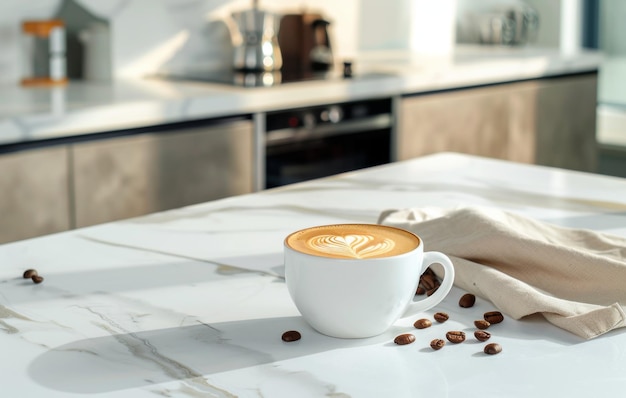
305,44
321,55
319,141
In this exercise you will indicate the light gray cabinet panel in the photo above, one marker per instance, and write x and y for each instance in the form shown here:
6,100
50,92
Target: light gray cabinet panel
547,121
472,121
34,199
130,176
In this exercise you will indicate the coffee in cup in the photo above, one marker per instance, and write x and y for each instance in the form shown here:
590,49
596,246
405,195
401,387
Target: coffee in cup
356,280
353,241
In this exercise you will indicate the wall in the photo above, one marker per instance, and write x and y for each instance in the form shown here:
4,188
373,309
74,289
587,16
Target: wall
195,33
424,27
149,36
549,23
560,21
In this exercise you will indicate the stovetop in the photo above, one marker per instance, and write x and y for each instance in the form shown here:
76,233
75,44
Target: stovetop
261,79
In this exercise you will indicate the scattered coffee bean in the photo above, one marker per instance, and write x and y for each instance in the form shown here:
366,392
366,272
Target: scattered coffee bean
432,291
441,317
291,335
29,273
437,344
422,323
481,324
455,336
493,348
420,290
493,317
467,300
404,339
428,281
481,335
37,278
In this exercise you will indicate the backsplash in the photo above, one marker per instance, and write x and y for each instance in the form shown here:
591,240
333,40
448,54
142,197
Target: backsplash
150,36
147,36
425,27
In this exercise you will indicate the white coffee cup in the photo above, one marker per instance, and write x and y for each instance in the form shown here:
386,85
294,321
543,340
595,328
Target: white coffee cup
356,280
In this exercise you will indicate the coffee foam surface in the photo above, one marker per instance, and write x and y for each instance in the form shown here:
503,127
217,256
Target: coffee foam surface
353,241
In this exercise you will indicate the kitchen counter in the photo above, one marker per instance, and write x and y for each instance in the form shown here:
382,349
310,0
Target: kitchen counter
88,107
192,302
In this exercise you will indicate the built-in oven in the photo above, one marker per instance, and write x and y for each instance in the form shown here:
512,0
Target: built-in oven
319,141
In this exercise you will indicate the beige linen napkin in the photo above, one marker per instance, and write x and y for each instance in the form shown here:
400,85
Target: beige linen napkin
575,278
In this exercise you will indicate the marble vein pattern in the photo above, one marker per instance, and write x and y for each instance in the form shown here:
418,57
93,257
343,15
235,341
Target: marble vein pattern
219,227
192,302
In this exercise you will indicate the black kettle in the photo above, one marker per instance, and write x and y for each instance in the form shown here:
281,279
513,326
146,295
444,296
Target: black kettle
321,55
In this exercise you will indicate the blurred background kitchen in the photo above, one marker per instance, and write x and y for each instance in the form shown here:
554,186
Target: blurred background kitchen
114,109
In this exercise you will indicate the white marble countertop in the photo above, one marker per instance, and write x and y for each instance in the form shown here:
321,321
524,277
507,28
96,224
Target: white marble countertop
88,107
191,302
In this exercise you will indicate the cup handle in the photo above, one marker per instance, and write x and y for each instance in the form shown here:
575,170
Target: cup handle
430,258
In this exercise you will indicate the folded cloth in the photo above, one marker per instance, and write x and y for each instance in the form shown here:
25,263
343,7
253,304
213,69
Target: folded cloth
575,278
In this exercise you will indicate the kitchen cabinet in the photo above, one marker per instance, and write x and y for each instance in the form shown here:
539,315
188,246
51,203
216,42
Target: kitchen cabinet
78,184
548,121
134,175
35,196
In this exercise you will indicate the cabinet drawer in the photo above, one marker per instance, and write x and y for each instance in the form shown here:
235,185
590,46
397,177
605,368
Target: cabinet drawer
549,121
35,195
130,176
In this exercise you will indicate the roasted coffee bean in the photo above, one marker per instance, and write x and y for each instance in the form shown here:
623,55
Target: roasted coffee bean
441,317
437,344
481,335
467,300
404,339
37,278
493,348
422,323
29,273
291,335
455,336
428,281
493,317
420,290
481,324
432,291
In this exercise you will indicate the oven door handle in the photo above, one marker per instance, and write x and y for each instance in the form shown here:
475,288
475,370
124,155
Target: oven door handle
290,135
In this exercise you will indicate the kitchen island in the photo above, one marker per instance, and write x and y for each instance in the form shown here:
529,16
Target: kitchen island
192,302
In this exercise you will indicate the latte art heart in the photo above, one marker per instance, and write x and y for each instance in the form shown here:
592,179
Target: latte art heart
353,241
354,246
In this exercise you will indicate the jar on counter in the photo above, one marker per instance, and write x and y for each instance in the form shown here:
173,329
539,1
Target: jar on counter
43,48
